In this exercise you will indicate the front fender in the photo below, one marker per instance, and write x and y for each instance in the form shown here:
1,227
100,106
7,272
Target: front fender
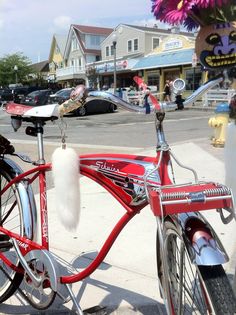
203,245
26,199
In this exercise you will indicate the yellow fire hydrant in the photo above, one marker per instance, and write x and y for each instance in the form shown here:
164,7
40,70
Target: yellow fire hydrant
219,123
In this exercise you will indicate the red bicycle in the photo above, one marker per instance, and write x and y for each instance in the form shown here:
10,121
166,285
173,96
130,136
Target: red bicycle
189,253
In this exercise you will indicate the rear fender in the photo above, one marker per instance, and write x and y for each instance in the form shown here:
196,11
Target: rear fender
203,245
26,200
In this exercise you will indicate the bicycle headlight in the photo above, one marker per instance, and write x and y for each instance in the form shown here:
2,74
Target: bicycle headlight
178,86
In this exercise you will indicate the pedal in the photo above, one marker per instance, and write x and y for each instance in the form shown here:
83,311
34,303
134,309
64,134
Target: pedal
5,243
173,199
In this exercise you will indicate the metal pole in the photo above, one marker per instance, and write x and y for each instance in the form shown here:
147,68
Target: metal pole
16,69
193,79
115,84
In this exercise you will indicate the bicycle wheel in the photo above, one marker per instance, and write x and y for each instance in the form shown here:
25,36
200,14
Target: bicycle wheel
10,218
205,289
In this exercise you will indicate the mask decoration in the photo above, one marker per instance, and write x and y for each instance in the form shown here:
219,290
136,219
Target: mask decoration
216,45
216,41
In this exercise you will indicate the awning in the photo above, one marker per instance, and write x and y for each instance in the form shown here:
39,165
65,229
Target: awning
174,58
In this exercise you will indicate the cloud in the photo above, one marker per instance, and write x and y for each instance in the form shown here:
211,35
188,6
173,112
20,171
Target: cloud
62,22
30,24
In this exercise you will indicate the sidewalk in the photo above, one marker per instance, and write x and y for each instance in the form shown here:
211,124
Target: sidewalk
126,282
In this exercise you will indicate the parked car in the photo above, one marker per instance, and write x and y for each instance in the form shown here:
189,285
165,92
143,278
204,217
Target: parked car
39,97
19,93
5,96
92,106
95,106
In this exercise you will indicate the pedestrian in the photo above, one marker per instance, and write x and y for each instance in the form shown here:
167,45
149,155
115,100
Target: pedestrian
146,103
179,102
167,91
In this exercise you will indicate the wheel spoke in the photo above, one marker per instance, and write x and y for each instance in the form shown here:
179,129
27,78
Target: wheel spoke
11,219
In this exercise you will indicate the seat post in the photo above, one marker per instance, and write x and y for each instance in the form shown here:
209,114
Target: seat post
39,132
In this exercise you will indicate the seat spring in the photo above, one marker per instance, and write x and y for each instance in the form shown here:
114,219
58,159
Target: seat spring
223,190
174,195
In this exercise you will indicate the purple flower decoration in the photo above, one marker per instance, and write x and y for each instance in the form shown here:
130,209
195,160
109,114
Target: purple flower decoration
191,13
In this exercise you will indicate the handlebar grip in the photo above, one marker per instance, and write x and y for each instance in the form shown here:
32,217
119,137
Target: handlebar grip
76,100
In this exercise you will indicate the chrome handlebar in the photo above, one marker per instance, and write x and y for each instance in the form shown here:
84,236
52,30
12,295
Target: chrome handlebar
93,95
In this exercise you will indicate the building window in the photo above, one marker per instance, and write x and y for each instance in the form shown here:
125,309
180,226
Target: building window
193,78
57,50
153,79
155,42
74,43
107,51
129,45
135,44
95,40
112,50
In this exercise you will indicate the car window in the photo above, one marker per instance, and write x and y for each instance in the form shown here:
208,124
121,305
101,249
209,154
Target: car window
5,92
66,93
33,94
60,92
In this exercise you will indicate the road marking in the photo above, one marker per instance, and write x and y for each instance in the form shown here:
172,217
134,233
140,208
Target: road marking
151,122
77,145
95,123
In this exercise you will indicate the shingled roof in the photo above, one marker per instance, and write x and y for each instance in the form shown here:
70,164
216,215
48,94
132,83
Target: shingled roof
42,66
94,30
158,30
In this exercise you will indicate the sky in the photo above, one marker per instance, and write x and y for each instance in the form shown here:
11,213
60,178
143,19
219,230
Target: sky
28,26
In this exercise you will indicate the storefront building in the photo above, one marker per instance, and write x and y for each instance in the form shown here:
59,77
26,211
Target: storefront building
175,58
143,51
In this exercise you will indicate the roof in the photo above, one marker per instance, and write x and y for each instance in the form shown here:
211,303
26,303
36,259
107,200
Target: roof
158,30
93,29
61,42
42,66
177,57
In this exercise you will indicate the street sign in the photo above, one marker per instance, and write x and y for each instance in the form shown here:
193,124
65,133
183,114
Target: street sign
194,60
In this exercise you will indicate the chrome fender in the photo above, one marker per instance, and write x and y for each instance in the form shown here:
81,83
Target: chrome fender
203,245
25,199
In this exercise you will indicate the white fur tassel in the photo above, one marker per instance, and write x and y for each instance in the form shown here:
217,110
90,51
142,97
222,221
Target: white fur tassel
65,169
230,157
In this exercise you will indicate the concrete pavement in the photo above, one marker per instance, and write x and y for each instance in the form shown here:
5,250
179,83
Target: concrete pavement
125,283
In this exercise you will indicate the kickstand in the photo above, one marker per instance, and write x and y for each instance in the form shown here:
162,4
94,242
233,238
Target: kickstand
73,298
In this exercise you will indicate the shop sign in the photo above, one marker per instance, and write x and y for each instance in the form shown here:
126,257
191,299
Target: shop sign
109,66
173,44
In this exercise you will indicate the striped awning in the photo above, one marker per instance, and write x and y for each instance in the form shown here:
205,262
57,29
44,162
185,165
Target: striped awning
160,60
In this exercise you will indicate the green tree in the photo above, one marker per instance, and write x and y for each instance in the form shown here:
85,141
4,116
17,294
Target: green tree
15,67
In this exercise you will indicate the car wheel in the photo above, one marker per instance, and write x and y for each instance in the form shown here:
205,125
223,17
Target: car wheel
111,108
81,111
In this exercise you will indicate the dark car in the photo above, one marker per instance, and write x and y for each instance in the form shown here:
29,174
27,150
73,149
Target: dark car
39,97
5,96
19,93
91,107
95,106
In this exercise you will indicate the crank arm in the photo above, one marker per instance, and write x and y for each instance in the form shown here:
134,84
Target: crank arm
36,280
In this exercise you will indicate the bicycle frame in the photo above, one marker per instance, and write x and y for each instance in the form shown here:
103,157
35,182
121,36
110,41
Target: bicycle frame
125,177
